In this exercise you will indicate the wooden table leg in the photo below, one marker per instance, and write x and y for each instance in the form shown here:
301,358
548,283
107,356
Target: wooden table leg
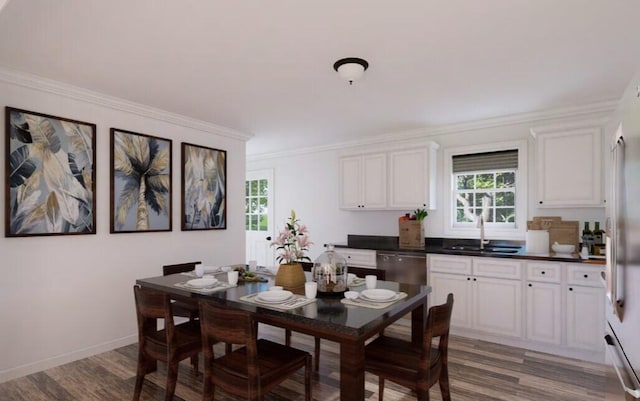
352,371
418,320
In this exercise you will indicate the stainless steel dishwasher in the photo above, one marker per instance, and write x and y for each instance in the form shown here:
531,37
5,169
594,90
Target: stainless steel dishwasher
403,267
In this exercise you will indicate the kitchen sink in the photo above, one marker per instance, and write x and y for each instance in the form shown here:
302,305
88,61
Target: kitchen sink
488,249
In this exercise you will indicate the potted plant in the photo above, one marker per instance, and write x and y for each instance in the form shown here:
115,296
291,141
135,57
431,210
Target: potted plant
292,243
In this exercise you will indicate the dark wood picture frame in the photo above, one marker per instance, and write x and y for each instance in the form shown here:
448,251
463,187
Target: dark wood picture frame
204,188
50,170
141,167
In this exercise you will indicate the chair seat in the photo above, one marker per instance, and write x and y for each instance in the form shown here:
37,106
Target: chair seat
274,361
385,351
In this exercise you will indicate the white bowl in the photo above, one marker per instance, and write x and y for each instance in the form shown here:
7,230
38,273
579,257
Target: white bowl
351,294
563,248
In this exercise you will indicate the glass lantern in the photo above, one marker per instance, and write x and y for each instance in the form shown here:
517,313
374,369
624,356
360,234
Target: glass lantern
330,272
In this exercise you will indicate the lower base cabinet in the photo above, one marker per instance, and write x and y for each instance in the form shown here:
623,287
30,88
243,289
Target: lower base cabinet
584,307
546,306
544,312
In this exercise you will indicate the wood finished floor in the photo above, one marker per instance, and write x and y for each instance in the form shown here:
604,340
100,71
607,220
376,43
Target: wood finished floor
479,371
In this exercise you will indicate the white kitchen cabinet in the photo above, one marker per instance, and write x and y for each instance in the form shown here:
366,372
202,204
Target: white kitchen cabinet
585,308
412,178
568,166
363,182
543,302
442,284
497,306
358,257
483,300
397,179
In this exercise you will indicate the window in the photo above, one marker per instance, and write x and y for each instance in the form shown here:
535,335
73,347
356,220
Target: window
256,205
485,184
488,180
493,192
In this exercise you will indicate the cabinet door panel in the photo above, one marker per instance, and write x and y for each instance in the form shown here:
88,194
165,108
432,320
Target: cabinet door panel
460,287
543,305
375,181
408,175
585,317
497,306
568,168
351,182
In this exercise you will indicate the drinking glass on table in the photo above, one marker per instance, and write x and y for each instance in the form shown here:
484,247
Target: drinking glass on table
310,289
232,277
370,281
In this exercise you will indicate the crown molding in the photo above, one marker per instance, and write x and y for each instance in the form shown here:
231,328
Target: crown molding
535,117
73,92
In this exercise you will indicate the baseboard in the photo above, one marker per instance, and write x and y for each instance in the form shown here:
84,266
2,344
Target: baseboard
48,363
594,355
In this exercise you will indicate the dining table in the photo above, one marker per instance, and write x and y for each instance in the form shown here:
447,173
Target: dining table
350,324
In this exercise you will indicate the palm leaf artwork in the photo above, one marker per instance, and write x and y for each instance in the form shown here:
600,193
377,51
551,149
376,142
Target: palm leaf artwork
51,188
204,183
141,182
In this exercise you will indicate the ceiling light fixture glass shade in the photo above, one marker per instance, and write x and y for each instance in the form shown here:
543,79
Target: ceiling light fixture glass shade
351,68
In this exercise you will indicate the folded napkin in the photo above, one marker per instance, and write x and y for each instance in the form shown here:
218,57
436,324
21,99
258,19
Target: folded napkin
219,286
292,303
372,304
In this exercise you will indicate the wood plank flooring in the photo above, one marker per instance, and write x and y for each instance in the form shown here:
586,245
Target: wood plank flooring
478,370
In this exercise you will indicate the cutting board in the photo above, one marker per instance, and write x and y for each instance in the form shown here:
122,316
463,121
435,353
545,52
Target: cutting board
562,232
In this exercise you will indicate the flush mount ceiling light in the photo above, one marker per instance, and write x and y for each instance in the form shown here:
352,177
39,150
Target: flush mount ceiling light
351,68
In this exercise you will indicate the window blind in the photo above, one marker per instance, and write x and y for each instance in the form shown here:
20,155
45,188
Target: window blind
500,160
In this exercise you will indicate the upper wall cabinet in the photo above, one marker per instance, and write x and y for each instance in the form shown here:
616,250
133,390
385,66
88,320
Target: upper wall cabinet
568,166
412,178
363,182
394,180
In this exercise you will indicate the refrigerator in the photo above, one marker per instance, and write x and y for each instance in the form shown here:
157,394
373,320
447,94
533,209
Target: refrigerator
622,273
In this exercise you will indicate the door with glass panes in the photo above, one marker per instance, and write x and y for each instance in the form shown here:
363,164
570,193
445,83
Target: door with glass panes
259,217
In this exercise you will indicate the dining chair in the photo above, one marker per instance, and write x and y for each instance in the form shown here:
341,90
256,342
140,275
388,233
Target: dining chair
171,344
417,367
256,367
180,308
358,271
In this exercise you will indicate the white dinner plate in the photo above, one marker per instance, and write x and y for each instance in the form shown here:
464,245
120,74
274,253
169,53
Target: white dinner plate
378,294
202,282
275,296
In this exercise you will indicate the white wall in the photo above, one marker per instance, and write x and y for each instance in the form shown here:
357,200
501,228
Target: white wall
308,182
67,297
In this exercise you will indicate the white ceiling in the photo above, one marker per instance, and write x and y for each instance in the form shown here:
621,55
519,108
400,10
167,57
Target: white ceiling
266,67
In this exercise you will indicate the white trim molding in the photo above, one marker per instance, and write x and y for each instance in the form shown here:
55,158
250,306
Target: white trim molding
73,92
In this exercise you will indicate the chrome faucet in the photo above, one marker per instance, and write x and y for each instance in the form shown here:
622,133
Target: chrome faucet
481,226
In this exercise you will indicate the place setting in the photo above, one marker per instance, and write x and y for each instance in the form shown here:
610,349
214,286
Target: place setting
208,284
372,297
279,298
200,270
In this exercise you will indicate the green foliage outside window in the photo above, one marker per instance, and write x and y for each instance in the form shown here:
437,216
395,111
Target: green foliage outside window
494,190
256,205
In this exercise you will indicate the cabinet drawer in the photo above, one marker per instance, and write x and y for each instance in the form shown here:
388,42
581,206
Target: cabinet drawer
498,268
544,272
449,264
358,257
584,275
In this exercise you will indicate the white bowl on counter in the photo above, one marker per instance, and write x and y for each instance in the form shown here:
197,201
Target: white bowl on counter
563,248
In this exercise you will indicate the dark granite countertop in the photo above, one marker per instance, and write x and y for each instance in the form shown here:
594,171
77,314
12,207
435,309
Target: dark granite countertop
461,247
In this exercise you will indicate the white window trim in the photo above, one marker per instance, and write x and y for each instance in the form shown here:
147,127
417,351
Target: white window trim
491,232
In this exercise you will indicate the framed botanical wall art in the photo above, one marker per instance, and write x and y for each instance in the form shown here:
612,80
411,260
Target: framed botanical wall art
140,182
50,165
204,188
